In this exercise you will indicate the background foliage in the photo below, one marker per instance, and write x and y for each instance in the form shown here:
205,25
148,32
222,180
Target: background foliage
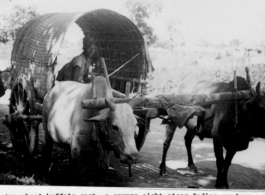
140,12
12,23
185,64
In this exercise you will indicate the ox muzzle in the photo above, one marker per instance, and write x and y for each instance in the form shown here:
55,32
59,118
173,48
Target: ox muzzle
132,158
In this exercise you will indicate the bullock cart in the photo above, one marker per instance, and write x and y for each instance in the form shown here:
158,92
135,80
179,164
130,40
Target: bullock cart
35,65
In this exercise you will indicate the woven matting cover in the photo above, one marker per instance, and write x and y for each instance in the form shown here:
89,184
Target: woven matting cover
40,39
118,39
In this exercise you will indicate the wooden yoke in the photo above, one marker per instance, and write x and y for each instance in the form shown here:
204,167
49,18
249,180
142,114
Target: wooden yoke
154,102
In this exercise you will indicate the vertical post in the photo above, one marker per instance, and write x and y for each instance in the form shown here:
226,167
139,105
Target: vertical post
139,90
93,87
235,90
103,64
127,90
94,95
247,58
247,69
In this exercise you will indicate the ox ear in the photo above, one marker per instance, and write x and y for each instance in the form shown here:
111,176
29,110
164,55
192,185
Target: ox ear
249,104
140,137
99,118
2,87
140,120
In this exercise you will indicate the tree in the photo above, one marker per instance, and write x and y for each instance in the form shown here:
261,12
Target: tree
13,23
175,35
142,10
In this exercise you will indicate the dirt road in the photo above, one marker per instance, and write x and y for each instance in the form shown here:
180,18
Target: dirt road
246,172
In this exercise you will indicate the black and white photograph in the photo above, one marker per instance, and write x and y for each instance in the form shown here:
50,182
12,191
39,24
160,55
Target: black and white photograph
159,96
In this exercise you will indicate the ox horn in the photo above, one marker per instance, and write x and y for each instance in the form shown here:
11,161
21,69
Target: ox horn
110,104
258,89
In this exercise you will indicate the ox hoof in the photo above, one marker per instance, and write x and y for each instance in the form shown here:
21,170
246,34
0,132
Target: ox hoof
193,169
222,185
163,172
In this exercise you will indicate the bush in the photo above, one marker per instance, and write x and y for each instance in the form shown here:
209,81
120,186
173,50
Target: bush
184,65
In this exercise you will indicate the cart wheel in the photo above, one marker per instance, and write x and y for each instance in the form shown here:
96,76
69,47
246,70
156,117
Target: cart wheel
23,132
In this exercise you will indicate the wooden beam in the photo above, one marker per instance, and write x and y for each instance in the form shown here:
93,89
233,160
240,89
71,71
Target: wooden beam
123,65
139,89
127,89
183,99
104,67
94,95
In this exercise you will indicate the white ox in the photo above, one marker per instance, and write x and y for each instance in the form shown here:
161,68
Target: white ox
91,134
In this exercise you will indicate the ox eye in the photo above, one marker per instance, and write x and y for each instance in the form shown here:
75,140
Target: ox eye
115,128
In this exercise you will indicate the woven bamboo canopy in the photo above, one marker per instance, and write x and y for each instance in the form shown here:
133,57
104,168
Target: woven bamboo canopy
39,41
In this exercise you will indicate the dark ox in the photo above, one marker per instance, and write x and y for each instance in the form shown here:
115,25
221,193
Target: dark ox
2,88
4,81
219,125
91,134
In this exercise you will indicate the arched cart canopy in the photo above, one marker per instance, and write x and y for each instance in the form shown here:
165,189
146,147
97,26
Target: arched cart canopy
118,39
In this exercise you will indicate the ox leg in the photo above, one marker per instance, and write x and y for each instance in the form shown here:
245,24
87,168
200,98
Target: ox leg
189,136
218,150
221,109
170,130
228,159
46,159
87,159
151,114
34,131
48,145
47,152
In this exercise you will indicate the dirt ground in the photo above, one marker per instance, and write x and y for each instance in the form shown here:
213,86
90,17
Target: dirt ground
246,172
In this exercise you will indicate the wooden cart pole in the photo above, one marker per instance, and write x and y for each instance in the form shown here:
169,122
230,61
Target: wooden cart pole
139,90
235,90
103,64
123,65
94,95
127,90
247,69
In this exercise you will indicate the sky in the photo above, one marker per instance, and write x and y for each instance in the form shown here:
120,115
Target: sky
210,20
